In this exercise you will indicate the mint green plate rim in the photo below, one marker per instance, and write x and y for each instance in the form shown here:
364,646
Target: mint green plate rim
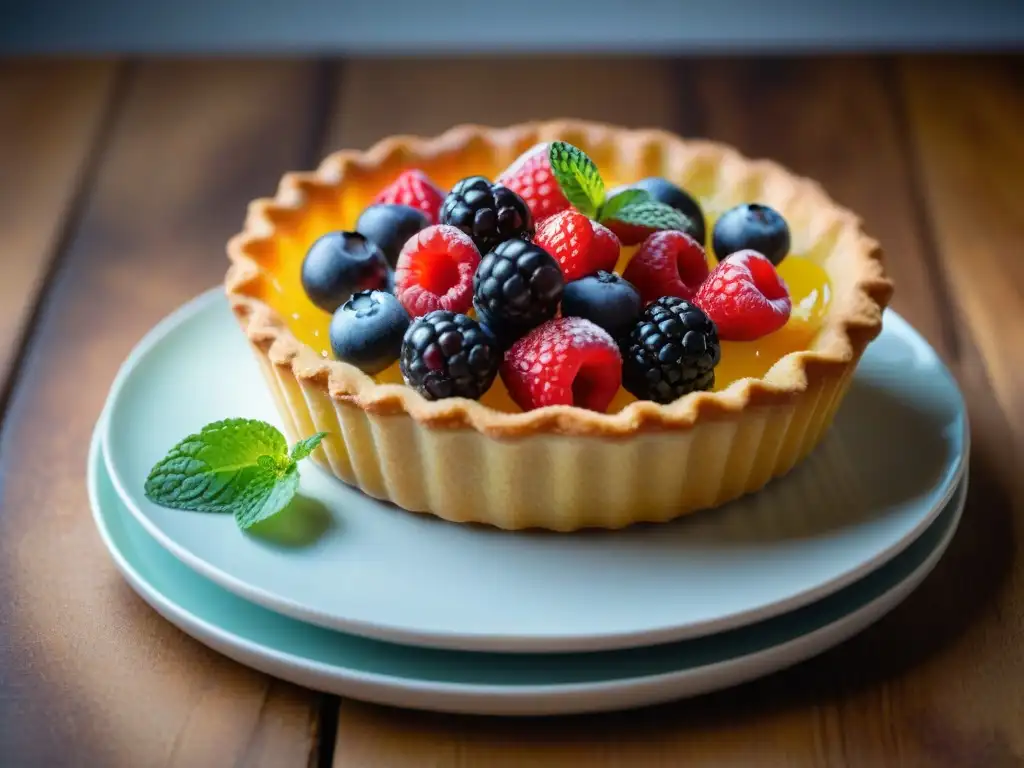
329,660
395,616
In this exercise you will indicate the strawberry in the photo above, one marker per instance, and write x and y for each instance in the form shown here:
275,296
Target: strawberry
605,248
630,234
745,297
565,361
579,245
415,189
669,263
435,271
531,178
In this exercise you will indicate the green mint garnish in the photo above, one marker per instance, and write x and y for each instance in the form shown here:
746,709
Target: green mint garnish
621,200
266,494
578,177
240,467
303,448
582,185
649,213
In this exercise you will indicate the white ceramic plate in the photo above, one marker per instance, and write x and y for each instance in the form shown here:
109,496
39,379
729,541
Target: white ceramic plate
882,475
493,683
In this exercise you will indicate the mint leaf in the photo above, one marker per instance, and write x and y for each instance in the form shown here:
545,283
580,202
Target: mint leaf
206,471
619,201
305,447
578,177
240,467
266,494
653,214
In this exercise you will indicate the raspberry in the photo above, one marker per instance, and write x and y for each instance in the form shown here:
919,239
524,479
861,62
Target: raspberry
435,271
565,361
445,354
671,351
517,287
745,297
530,177
489,213
580,246
415,189
669,263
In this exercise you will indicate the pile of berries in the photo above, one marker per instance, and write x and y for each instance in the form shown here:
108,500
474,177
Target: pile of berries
508,278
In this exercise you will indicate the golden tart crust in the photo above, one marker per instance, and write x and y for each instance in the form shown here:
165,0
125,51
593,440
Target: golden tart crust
560,468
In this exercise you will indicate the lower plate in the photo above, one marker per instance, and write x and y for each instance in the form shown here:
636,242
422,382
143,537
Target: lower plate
496,683
886,469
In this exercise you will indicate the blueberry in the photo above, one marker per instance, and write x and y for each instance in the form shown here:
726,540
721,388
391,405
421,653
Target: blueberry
337,265
753,226
664,191
606,300
390,226
367,330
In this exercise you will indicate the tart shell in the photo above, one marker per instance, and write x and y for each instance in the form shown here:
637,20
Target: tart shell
562,468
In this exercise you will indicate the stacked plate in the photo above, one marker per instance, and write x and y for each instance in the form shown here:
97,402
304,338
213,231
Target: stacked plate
352,596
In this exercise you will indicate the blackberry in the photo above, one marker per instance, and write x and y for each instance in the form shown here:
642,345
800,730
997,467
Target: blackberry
517,286
488,213
445,354
671,351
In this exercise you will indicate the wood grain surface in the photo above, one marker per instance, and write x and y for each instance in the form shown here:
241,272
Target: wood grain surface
50,119
91,675
134,205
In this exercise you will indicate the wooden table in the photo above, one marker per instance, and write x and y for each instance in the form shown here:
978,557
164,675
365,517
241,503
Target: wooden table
120,184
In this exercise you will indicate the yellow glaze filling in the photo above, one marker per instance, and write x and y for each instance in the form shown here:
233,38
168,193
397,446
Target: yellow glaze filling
807,282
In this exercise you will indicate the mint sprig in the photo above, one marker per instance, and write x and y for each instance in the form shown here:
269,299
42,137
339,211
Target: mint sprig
305,447
577,176
651,213
240,467
581,183
621,200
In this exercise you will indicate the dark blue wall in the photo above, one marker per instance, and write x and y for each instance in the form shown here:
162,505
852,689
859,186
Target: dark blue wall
502,26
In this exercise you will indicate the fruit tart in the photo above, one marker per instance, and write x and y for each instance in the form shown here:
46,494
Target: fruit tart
557,325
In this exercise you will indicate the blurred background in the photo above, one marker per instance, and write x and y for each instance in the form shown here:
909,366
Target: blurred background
391,27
